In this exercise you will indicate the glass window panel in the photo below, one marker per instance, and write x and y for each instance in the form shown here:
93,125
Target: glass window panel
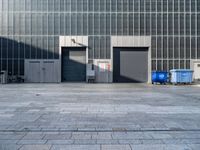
4,47
50,24
142,28
11,5
85,24
119,5
165,24
130,5
188,47
44,24
176,24
50,47
5,24
96,5
45,48
113,24
182,47
125,5
153,5
187,5
108,5
67,24
34,24
153,24
198,47
165,5
16,24
187,23
170,5
182,23
91,5
198,24
159,24
56,24
73,5
193,5
10,48
108,18
21,47
27,47
96,24
62,5
176,47
130,24
153,47
11,25
39,47
165,47
114,5
28,24
159,5
182,5
90,25
170,24
33,47
193,48
56,47
176,5
73,24
171,47
193,24
67,5
102,24
80,5
125,24
136,5
136,24
79,24
50,5
148,23
119,24
34,5
44,5
56,5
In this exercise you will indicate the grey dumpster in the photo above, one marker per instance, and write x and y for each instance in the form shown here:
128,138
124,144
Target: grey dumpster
4,77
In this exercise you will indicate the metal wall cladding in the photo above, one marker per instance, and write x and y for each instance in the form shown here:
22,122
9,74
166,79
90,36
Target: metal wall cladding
31,28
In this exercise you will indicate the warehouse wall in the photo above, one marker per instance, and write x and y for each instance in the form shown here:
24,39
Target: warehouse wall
30,29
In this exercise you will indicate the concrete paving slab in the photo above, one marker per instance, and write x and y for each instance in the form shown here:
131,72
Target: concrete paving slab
92,115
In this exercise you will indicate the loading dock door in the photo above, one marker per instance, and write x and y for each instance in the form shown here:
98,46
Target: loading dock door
74,64
130,65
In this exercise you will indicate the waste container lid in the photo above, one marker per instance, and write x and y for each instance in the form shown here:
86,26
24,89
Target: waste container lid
159,71
181,70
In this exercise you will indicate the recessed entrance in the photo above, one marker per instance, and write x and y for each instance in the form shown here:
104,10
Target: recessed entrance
130,65
73,64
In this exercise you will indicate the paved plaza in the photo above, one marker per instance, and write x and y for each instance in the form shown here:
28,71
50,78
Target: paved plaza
99,117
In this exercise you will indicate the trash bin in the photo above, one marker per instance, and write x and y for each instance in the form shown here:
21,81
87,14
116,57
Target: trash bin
159,77
4,77
179,76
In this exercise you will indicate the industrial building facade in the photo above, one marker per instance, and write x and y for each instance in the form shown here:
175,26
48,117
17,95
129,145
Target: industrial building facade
124,39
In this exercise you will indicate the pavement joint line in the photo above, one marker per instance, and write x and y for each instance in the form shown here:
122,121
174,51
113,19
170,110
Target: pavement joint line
175,130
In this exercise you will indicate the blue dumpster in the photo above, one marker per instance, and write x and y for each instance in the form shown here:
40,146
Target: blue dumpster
159,77
181,76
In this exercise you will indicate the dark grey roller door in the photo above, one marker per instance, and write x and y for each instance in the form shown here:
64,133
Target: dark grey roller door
130,65
74,64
